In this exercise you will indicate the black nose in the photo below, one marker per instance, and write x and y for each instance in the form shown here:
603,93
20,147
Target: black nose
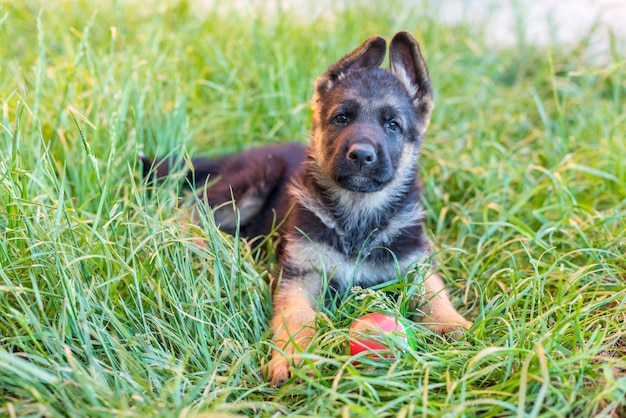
362,154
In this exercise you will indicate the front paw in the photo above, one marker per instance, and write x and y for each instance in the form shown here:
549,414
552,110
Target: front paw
278,370
452,328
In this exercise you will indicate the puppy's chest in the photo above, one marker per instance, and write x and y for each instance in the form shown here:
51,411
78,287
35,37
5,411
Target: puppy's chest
368,268
366,242
345,265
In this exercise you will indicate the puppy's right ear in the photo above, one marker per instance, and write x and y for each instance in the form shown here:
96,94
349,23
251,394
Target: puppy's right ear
370,54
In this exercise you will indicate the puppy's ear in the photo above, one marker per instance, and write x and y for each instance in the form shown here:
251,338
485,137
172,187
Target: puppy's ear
409,67
369,55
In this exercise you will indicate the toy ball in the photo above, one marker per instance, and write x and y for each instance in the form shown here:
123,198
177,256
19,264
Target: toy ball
376,324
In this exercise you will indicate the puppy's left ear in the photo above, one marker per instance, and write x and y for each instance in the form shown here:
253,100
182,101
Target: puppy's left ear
370,54
408,65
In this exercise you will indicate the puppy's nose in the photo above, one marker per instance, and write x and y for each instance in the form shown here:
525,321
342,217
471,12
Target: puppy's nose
362,155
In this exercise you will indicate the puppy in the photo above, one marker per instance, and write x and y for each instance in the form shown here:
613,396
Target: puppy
347,206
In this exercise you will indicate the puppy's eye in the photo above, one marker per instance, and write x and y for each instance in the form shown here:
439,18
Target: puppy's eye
393,125
341,119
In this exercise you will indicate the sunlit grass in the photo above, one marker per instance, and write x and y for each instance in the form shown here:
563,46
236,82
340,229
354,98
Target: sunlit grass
109,304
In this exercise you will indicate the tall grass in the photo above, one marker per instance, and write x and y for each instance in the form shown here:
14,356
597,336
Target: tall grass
109,305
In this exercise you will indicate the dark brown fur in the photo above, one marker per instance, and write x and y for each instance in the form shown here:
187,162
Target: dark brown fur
353,197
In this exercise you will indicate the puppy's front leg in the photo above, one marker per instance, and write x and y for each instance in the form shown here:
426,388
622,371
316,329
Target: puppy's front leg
440,314
293,326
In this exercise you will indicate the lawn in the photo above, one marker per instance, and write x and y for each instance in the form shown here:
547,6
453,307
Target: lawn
112,305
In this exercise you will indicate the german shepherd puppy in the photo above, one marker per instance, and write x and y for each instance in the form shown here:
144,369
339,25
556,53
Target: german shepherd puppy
348,205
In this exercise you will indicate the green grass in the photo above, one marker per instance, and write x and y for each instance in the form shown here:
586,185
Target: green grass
109,307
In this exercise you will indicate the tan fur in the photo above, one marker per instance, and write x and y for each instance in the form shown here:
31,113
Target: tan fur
294,320
440,316
293,327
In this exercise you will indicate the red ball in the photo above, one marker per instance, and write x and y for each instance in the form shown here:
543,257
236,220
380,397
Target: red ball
374,324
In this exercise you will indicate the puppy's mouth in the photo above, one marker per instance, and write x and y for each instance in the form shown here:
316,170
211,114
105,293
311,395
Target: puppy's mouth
361,183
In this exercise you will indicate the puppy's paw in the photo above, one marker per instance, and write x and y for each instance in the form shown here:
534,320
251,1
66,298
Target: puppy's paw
452,329
278,371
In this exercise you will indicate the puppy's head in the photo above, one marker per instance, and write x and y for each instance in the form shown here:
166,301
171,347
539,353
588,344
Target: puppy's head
368,122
